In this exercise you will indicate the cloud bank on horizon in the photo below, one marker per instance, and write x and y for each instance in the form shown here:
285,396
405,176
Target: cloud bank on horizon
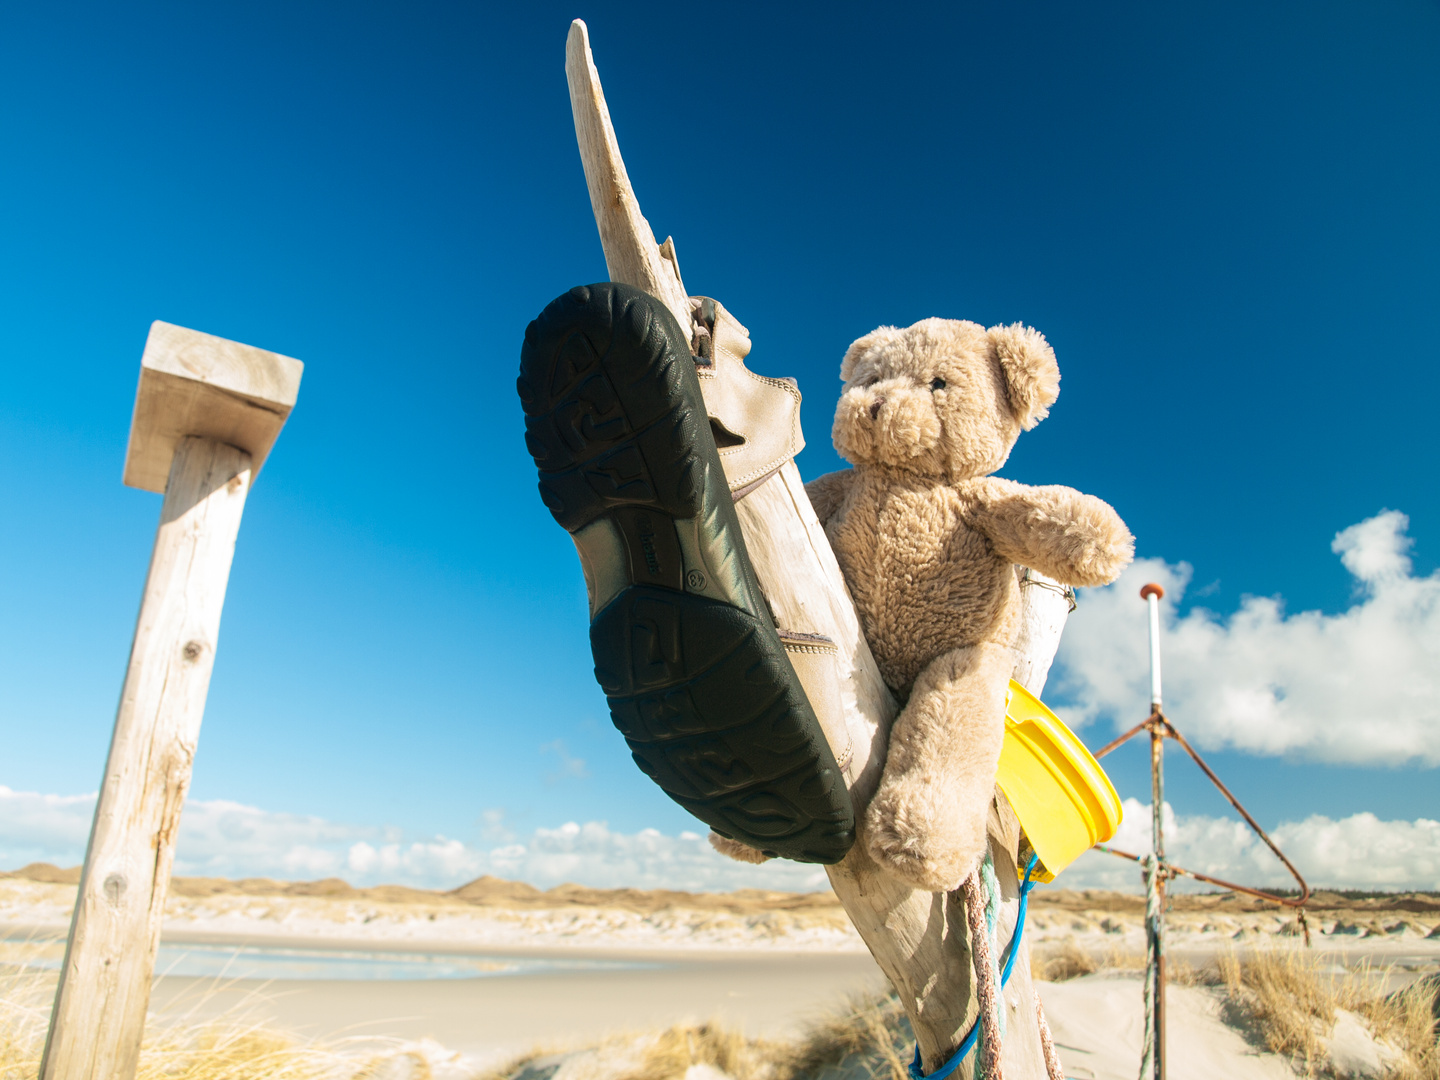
1360,686
227,839
219,838
1357,852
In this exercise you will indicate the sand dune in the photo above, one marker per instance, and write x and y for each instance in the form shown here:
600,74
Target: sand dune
491,912
484,891
488,913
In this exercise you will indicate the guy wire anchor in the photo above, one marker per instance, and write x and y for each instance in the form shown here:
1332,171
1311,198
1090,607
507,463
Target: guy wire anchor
1158,870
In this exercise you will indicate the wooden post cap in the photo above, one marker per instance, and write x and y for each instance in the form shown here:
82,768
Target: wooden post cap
198,384
1147,591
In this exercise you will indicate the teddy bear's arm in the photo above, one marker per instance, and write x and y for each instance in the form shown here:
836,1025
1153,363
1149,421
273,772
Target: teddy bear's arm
1072,537
828,492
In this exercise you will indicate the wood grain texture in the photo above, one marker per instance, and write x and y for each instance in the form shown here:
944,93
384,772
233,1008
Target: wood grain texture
199,384
919,939
99,1016
807,593
1045,605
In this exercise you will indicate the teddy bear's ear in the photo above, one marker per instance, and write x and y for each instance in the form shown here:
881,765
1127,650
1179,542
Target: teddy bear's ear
1032,377
855,356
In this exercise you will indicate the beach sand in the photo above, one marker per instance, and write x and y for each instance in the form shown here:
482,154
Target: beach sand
764,963
1098,1029
491,1020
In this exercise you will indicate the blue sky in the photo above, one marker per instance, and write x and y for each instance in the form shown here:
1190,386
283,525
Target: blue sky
1224,219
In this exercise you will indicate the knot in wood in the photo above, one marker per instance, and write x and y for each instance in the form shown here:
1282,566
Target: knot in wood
114,888
192,651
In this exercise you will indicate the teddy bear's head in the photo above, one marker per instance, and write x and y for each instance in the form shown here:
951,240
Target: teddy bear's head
943,397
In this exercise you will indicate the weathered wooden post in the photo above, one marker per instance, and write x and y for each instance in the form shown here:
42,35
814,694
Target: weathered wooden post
206,414
919,939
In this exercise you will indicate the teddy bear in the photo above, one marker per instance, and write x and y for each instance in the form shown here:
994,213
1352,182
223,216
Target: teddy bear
928,541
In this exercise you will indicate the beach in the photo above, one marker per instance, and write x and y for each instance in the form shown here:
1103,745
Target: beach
491,1020
480,976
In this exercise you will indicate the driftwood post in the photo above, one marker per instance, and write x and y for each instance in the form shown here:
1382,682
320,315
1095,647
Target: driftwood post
206,414
919,939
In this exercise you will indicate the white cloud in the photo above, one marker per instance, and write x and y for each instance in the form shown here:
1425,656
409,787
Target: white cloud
34,828
594,855
1358,852
1375,550
1361,686
227,839
219,838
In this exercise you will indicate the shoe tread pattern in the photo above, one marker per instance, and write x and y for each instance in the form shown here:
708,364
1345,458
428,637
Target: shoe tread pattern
701,690
710,716
607,422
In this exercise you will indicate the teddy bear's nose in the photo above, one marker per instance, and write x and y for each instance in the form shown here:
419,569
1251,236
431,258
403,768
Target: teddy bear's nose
875,407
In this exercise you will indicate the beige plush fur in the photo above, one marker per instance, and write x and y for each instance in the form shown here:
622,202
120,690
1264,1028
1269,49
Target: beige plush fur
928,541
736,850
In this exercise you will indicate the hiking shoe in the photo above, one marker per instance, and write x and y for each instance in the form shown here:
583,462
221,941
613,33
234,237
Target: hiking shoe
694,672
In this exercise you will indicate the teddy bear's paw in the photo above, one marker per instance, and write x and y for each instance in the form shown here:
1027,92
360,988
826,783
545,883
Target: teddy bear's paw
930,859
1108,555
1103,546
734,849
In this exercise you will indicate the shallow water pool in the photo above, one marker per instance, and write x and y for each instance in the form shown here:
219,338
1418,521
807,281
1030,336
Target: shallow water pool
350,965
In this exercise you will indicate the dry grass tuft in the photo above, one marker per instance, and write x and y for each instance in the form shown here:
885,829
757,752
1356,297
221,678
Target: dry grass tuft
1067,960
679,1047
1063,961
1411,1020
1289,1003
871,1033
663,1055
230,1048
1183,973
1285,1001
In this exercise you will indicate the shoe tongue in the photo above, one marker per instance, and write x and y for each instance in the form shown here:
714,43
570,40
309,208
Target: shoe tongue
756,417
726,331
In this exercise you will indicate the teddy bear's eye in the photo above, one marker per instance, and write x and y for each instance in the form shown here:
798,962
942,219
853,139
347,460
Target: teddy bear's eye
937,384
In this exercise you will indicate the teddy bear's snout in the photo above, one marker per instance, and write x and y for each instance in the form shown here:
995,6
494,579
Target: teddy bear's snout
892,422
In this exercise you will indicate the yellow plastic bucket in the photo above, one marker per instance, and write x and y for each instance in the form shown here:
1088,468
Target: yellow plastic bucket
1065,802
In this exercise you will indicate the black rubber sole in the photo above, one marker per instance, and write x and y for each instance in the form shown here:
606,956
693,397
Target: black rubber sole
693,670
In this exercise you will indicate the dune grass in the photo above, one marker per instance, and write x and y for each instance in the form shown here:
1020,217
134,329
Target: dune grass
1062,961
1284,1001
1290,1001
868,1037
1411,1020
233,1047
677,1048
870,1033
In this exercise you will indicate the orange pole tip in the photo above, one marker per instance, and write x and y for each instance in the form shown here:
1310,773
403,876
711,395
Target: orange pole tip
1147,591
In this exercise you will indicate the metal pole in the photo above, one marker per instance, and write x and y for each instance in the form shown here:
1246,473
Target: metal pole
1156,927
1157,795
1152,594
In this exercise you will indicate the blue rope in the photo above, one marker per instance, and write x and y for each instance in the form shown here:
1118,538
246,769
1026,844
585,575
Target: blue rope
968,1043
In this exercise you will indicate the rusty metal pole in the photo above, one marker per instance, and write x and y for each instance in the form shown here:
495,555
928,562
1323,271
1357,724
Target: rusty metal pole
1155,928
1157,789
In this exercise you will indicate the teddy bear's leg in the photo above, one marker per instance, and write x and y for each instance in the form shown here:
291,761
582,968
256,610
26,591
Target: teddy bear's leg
926,824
